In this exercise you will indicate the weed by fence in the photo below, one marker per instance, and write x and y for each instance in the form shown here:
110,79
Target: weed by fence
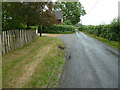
13,39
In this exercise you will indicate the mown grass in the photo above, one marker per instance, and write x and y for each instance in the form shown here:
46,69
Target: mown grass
42,55
114,44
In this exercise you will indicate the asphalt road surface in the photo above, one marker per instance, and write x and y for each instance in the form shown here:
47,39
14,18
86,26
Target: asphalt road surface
90,64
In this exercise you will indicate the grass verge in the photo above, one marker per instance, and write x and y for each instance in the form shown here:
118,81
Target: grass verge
36,65
114,44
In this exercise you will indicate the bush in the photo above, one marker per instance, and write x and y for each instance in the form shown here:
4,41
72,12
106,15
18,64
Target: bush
81,28
67,22
59,29
110,31
33,27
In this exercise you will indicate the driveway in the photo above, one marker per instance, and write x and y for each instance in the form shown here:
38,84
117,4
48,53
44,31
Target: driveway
91,63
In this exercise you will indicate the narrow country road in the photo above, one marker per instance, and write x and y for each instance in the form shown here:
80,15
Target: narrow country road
91,63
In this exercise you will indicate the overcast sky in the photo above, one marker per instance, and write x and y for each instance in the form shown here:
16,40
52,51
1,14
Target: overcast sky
99,11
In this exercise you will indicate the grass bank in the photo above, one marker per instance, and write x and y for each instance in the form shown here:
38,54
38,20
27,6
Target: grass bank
36,65
114,44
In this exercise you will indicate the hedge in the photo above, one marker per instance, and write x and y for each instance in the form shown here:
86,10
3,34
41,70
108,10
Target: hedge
110,31
59,29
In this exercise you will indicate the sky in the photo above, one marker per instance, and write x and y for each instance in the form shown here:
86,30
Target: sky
99,11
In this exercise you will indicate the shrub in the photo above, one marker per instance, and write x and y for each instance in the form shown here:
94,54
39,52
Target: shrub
110,31
67,22
59,29
81,28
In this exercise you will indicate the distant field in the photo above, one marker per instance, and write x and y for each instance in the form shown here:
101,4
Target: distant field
36,65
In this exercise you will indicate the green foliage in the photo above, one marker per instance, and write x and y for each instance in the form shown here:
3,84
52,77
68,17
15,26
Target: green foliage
9,19
71,10
59,29
15,14
34,27
110,31
67,22
81,28
114,44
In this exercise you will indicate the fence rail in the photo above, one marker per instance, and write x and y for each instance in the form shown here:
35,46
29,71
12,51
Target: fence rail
13,39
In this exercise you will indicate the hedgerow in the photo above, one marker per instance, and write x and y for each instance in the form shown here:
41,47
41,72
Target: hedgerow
59,29
110,31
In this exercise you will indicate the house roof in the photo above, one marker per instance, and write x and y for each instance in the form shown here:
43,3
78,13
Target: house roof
59,14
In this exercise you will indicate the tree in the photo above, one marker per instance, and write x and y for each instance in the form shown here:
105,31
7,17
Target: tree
47,17
72,11
11,20
15,14
29,13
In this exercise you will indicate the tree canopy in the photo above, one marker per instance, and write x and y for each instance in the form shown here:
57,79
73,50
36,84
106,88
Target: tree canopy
72,11
17,14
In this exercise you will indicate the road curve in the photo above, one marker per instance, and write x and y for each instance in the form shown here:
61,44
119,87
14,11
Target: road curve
92,64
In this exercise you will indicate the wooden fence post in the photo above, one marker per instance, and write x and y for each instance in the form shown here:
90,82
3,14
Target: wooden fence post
3,43
13,39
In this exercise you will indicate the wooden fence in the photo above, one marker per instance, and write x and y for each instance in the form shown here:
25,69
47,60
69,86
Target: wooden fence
13,39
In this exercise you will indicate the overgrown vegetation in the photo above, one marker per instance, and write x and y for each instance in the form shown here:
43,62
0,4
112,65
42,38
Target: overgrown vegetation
60,29
36,65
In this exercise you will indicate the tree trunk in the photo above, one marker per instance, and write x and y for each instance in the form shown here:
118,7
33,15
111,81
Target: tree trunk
27,27
40,30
